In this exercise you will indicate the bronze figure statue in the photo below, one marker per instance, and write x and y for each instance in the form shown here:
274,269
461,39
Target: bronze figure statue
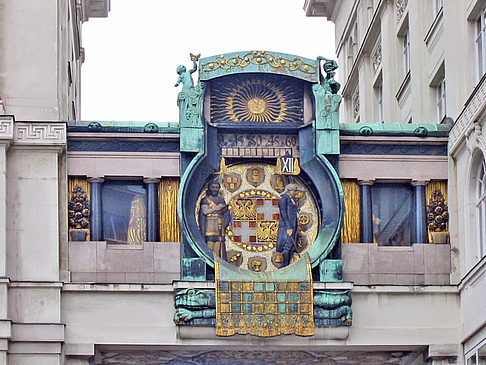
214,218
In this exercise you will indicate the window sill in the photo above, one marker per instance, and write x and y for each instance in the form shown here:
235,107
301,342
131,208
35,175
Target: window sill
434,27
405,83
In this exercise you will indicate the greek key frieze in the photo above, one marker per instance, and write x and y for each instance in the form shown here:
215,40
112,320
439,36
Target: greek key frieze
40,133
6,128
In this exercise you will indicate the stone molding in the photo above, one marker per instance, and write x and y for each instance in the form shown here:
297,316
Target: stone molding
6,127
401,7
475,137
464,124
43,133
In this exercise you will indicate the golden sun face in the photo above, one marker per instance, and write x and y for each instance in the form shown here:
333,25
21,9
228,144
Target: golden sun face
266,99
257,106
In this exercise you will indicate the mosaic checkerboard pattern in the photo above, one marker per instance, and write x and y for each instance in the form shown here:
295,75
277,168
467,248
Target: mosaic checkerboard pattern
264,309
260,230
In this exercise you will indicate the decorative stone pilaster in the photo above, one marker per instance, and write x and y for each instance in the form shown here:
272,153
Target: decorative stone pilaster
420,231
366,211
6,137
96,208
152,209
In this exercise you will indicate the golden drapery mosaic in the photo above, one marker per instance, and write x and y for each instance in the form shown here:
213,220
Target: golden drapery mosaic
267,304
168,223
137,227
81,181
350,232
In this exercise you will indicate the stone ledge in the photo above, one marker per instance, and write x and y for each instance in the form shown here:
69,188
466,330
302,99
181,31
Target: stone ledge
209,333
79,349
96,287
37,332
5,328
406,289
34,348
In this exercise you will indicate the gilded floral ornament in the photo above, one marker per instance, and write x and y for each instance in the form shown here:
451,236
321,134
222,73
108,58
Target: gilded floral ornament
259,58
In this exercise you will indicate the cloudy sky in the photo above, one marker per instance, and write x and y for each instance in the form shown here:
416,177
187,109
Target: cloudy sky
132,56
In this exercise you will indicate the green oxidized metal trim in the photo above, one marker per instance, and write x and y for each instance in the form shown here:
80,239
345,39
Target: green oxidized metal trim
320,240
122,127
260,62
180,209
409,129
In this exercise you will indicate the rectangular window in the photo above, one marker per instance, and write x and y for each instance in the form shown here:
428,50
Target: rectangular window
124,212
481,43
379,95
392,214
441,100
406,53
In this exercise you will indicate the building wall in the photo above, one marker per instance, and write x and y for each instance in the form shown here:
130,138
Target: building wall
443,45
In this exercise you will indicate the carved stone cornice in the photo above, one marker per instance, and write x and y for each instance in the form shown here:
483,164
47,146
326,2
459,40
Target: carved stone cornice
475,137
40,133
464,125
401,6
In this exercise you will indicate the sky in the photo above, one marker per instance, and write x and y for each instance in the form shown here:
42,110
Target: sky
131,57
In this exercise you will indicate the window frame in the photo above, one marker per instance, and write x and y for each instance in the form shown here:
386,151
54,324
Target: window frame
124,183
480,209
406,52
480,40
441,99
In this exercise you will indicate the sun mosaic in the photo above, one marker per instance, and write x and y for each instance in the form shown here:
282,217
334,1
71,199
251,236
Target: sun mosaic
243,98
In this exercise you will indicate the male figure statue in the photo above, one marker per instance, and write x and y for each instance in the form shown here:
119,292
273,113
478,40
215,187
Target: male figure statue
287,228
214,218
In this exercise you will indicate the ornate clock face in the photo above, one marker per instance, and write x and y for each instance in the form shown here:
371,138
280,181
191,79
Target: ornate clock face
252,192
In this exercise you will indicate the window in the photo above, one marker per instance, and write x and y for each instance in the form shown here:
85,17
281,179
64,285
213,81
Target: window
478,356
406,53
481,44
392,214
124,212
379,97
441,100
481,209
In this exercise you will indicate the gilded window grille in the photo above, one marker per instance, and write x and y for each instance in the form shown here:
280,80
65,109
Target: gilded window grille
81,181
350,232
168,223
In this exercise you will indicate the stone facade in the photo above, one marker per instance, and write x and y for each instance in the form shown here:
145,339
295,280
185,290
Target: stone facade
97,302
430,68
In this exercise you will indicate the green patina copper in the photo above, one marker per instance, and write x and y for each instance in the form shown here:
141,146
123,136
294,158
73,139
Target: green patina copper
259,62
331,270
409,129
187,263
190,102
328,237
332,307
191,139
123,127
327,103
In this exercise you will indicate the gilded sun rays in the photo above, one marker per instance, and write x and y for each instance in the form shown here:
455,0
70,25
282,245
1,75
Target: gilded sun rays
246,98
